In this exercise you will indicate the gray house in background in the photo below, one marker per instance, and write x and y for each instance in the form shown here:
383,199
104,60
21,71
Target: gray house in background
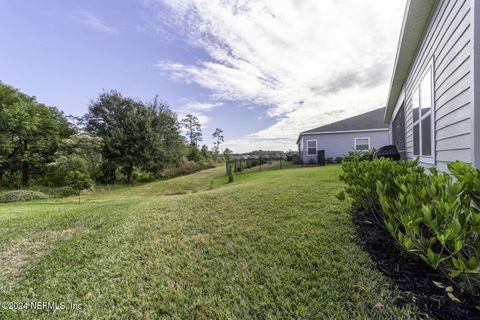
362,132
433,108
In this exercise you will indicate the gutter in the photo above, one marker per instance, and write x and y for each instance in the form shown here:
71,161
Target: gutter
338,132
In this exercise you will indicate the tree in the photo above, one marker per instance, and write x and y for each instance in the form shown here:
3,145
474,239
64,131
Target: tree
227,153
205,152
134,134
78,152
79,181
218,136
30,133
194,129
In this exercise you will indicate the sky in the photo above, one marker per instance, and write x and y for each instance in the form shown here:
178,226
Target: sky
261,70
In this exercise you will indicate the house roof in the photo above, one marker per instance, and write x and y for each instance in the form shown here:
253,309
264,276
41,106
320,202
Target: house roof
415,21
366,121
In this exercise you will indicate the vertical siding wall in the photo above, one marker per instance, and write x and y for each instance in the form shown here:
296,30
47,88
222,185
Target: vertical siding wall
448,40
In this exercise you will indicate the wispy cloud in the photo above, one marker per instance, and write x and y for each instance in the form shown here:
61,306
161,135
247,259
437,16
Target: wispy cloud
94,22
202,106
198,109
307,62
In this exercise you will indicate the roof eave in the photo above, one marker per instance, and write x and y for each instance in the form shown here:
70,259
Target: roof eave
415,21
312,133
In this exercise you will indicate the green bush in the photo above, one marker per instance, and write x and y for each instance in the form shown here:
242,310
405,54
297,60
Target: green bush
338,159
438,219
22,195
364,155
429,214
361,179
185,167
142,176
60,192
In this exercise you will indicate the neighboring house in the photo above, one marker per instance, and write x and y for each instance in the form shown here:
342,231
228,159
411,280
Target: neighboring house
362,132
431,108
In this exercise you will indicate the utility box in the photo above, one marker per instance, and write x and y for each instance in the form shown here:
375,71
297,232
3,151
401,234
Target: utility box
321,157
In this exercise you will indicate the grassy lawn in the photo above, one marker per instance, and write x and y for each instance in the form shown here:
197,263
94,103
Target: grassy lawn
272,245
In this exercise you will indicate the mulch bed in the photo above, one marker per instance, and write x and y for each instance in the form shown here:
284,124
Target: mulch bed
411,275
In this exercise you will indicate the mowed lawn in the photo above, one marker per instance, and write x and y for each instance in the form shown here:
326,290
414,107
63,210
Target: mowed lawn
272,245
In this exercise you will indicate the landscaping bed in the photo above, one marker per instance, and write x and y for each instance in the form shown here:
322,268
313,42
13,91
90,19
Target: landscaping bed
412,276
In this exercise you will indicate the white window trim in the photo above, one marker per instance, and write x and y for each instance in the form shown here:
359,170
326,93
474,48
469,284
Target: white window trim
426,159
316,148
359,138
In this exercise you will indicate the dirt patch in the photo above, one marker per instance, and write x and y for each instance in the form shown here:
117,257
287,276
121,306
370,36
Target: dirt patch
17,257
412,276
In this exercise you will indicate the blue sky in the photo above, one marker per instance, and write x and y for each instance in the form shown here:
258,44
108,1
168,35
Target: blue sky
260,70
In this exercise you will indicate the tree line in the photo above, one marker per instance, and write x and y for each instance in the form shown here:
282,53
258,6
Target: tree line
118,139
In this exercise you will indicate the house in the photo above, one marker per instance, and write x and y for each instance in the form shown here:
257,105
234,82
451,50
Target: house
431,109
362,132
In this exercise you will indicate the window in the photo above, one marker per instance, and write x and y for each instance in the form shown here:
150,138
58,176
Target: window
362,144
312,147
423,126
398,131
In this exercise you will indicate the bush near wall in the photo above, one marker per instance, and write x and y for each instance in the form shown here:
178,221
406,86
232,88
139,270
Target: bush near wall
429,214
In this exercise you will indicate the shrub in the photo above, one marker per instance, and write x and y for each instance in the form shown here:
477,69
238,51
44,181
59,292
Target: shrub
361,179
22,195
185,167
364,155
60,192
338,159
142,176
429,215
438,219
329,160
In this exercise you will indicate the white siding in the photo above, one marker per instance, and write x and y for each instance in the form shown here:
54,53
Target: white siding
448,41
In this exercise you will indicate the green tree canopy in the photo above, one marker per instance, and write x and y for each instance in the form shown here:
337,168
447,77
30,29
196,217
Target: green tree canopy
29,133
134,134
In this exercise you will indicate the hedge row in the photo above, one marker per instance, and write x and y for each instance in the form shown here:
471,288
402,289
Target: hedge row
432,215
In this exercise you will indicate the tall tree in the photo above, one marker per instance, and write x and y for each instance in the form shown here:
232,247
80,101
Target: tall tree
218,136
134,134
194,129
165,132
30,133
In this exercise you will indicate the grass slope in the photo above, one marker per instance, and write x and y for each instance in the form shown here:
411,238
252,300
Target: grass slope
272,245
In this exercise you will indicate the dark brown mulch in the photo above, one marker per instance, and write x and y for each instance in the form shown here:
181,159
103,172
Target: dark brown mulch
411,275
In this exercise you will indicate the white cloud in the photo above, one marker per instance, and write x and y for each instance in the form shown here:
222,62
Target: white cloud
94,22
202,106
198,109
308,62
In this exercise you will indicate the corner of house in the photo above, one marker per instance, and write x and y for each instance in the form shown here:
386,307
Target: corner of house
476,84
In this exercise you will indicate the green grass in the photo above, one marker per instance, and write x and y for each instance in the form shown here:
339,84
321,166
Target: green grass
272,245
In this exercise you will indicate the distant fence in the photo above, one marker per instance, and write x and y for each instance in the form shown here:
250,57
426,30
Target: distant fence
258,164
318,158
263,164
